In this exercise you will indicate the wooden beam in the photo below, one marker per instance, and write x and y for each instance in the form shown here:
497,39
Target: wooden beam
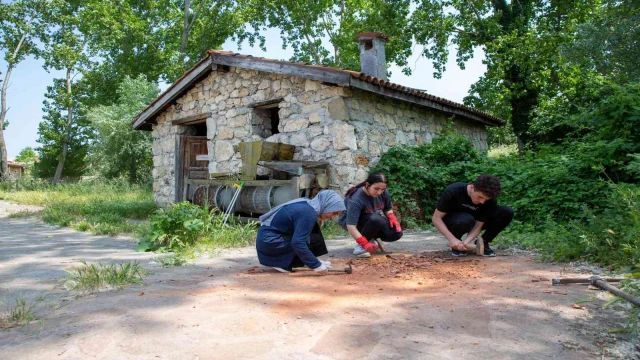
398,95
175,91
268,104
193,119
328,75
246,182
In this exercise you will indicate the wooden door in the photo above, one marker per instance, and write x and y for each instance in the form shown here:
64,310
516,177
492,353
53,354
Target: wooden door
194,164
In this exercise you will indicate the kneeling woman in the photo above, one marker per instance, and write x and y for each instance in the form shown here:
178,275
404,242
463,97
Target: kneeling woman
369,215
289,235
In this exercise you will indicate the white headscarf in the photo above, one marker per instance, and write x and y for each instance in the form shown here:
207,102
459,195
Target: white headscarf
326,201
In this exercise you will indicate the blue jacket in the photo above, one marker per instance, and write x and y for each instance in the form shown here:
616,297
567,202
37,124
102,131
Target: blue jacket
287,237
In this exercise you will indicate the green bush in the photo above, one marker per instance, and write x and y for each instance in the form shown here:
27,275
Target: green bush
184,226
564,203
418,174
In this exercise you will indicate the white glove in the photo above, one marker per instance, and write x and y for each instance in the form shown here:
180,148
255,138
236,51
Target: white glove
326,263
322,269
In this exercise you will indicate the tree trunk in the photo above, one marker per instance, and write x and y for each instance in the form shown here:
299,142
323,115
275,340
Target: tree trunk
67,131
185,31
4,166
522,106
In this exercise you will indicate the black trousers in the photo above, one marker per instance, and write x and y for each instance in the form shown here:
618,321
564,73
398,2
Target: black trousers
461,223
316,245
376,226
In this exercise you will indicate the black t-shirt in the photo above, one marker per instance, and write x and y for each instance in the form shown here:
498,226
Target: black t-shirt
360,203
456,199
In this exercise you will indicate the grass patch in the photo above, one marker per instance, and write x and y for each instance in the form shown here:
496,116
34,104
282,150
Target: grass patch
25,214
21,313
190,231
172,260
92,277
502,150
331,230
103,208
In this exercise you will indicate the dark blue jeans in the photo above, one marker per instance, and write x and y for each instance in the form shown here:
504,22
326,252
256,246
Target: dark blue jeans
375,226
461,223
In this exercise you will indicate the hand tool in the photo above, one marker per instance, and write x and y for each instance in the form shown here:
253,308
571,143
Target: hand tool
346,270
601,283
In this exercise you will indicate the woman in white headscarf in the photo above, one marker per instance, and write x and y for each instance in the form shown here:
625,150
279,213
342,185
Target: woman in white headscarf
289,235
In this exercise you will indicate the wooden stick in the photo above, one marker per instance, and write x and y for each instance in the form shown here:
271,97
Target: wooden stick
581,280
602,284
615,291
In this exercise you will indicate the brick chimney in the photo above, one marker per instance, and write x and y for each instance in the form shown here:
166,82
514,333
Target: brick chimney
372,59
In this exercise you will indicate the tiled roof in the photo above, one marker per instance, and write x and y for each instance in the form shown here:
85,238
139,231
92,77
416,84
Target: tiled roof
322,73
372,80
15,164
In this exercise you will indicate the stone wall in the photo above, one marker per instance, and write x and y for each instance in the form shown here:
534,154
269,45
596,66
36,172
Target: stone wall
348,128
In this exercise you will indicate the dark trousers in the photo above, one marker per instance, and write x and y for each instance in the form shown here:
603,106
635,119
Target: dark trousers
316,245
376,226
461,223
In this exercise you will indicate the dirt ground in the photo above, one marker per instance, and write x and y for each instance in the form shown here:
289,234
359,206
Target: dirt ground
418,303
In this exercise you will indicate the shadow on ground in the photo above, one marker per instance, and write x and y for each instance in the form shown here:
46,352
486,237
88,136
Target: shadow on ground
223,308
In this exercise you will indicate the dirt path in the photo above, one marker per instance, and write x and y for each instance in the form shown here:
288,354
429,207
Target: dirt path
419,306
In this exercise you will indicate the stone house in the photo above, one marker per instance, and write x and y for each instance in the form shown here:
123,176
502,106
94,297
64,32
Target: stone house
346,118
16,170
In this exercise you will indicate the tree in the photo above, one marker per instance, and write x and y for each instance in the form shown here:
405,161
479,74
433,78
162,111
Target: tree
28,157
306,25
52,131
66,50
609,43
521,41
121,150
21,26
159,39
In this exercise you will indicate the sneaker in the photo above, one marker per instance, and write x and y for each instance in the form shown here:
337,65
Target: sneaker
458,253
360,252
280,269
488,252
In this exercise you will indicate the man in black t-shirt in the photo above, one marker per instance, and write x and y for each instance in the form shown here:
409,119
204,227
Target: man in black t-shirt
468,209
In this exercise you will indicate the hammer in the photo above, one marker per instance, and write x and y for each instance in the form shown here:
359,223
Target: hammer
479,248
346,270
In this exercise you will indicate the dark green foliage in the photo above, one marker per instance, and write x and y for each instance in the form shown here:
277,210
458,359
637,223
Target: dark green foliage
51,133
549,183
122,151
418,174
563,200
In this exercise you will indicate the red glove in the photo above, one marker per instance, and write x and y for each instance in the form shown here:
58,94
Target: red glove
393,222
366,245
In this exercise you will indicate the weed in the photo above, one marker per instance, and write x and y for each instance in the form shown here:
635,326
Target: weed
331,229
502,150
185,227
25,214
22,313
92,277
172,260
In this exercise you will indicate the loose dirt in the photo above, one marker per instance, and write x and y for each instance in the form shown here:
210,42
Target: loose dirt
417,303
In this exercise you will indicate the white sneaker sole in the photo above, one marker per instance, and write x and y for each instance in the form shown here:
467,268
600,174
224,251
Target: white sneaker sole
363,255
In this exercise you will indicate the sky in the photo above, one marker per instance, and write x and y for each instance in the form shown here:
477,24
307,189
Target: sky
29,82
